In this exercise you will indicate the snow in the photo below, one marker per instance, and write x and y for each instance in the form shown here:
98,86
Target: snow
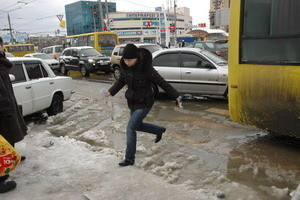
75,155
70,170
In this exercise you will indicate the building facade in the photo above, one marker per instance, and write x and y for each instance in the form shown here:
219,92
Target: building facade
84,16
219,14
151,27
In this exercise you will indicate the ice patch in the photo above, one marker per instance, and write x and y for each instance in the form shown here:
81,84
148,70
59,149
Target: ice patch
279,193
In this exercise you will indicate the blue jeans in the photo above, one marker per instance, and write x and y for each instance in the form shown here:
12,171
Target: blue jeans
136,124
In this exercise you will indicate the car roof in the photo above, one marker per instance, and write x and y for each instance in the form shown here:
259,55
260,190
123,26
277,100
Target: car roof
53,46
184,49
23,58
31,54
78,48
137,44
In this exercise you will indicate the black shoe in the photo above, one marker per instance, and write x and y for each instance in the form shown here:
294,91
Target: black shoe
4,178
158,136
124,163
23,158
7,186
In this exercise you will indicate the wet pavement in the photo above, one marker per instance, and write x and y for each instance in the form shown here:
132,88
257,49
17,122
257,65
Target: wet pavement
201,149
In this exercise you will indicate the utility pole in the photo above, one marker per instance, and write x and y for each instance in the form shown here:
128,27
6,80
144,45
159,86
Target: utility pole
10,29
101,15
175,26
106,10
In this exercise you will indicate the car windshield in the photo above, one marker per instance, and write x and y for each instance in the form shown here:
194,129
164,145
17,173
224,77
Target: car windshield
59,49
210,45
221,45
214,58
42,56
190,45
90,52
152,48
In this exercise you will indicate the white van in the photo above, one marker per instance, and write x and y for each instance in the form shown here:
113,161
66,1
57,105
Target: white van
55,51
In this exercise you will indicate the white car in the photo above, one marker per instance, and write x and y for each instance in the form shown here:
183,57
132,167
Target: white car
53,63
37,88
192,71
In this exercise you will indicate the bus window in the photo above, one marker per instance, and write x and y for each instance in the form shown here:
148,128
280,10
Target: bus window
82,41
91,41
270,32
107,40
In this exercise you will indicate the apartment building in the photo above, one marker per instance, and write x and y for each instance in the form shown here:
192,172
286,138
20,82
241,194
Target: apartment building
219,14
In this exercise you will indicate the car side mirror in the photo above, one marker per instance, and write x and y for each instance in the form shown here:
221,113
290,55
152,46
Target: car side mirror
115,53
209,65
12,77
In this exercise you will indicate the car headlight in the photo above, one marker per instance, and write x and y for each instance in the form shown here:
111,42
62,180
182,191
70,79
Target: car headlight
91,60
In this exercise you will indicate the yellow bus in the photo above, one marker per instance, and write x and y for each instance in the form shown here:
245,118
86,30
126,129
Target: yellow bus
104,42
19,49
264,65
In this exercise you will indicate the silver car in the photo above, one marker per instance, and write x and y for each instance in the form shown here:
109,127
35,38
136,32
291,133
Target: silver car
193,71
54,64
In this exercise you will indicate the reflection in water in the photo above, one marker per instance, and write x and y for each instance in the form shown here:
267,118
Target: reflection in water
265,163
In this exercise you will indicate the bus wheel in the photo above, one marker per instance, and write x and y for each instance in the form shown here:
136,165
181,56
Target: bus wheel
84,72
63,69
117,73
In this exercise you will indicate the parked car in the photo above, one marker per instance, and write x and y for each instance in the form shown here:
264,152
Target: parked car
84,59
192,71
37,88
223,45
7,54
210,46
54,51
117,54
54,64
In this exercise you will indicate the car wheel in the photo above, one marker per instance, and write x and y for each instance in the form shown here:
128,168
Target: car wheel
84,72
56,105
117,73
154,90
63,69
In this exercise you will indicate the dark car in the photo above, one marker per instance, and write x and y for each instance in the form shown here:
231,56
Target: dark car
84,59
211,46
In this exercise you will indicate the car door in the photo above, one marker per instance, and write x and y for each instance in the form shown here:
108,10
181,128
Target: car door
66,58
74,59
42,85
167,65
197,77
22,88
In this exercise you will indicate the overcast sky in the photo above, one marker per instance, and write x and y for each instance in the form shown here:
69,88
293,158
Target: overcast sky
39,16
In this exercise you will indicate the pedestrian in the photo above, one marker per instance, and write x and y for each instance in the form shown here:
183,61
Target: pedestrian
138,74
12,124
169,45
182,43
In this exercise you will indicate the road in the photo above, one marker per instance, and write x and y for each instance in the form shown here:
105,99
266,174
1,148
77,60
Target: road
202,148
